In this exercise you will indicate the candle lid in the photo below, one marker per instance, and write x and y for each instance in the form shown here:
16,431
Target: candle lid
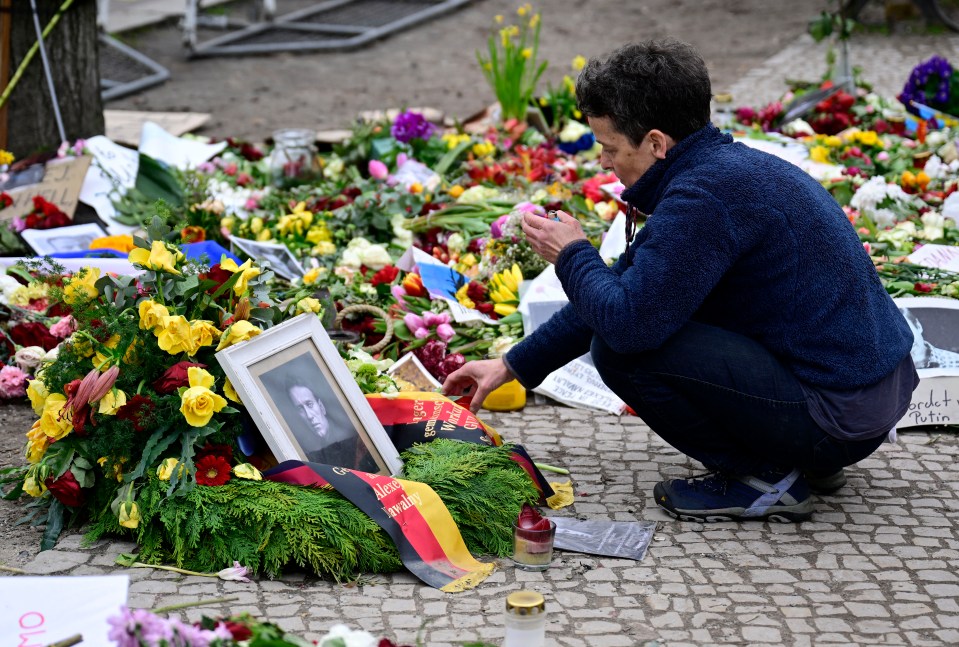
525,603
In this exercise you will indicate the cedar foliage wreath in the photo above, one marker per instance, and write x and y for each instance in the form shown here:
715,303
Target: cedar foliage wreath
267,526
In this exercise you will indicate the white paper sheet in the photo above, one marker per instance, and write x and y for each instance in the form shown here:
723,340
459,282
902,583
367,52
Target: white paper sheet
176,151
578,385
36,611
110,161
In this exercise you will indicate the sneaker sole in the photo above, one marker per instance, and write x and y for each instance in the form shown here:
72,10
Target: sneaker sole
780,514
827,485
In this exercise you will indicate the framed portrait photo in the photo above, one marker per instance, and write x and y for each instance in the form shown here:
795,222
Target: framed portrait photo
72,238
304,400
281,259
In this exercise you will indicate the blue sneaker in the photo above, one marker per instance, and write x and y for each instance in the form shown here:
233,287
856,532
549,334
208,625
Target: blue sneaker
722,497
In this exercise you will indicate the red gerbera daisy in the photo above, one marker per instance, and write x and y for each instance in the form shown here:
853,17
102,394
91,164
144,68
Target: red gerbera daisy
212,470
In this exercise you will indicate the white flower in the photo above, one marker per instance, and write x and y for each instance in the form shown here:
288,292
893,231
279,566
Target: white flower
358,243
375,257
334,168
478,193
501,346
8,285
29,358
456,243
798,127
573,131
235,573
51,355
402,237
899,235
875,191
933,225
883,217
343,636
350,259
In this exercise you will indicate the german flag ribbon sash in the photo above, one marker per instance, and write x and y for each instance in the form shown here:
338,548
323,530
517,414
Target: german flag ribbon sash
411,513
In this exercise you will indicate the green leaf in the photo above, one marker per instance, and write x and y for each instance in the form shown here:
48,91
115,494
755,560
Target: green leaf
447,160
125,559
155,446
158,182
158,229
54,525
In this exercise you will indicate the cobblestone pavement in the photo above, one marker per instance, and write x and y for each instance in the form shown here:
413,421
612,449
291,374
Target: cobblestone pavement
876,565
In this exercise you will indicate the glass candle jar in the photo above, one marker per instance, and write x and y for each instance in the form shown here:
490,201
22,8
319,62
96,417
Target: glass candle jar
533,549
293,160
525,620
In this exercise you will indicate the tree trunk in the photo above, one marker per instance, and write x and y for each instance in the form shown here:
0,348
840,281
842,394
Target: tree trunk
72,49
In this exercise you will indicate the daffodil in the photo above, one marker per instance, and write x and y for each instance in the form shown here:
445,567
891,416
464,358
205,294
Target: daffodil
579,62
159,258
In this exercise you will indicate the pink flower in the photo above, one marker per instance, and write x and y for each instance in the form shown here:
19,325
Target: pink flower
18,224
13,382
529,207
64,328
230,169
496,229
421,333
432,319
378,170
206,167
445,331
251,204
413,322
398,293
401,159
882,156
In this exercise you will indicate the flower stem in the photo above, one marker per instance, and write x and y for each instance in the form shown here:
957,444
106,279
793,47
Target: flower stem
187,605
10,569
172,568
550,468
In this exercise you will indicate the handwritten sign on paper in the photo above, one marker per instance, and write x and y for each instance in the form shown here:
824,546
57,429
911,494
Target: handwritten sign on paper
37,611
934,402
944,257
578,384
61,184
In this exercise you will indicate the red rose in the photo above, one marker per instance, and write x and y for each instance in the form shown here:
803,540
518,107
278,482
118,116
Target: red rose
212,470
218,275
385,275
137,411
5,200
238,630
174,377
924,287
66,489
33,333
476,292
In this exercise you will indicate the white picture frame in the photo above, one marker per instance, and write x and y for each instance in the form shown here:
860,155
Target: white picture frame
285,375
281,259
72,238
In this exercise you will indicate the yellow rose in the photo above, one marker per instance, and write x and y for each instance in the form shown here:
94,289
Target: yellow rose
152,314
113,400
239,331
55,425
33,483
247,471
80,286
175,336
248,272
199,403
37,392
166,468
230,392
309,304
129,516
37,443
204,333
159,258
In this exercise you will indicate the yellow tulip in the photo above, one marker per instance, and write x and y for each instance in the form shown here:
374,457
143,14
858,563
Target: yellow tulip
175,336
151,315
159,258
80,285
239,331
33,484
129,516
504,309
203,333
247,471
54,421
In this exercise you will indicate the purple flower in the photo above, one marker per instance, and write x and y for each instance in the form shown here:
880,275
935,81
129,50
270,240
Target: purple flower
411,125
134,627
496,229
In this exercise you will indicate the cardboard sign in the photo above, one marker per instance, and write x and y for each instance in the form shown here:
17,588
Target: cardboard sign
38,611
61,184
934,402
125,126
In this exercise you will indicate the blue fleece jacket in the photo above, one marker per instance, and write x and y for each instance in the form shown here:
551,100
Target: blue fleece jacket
739,239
